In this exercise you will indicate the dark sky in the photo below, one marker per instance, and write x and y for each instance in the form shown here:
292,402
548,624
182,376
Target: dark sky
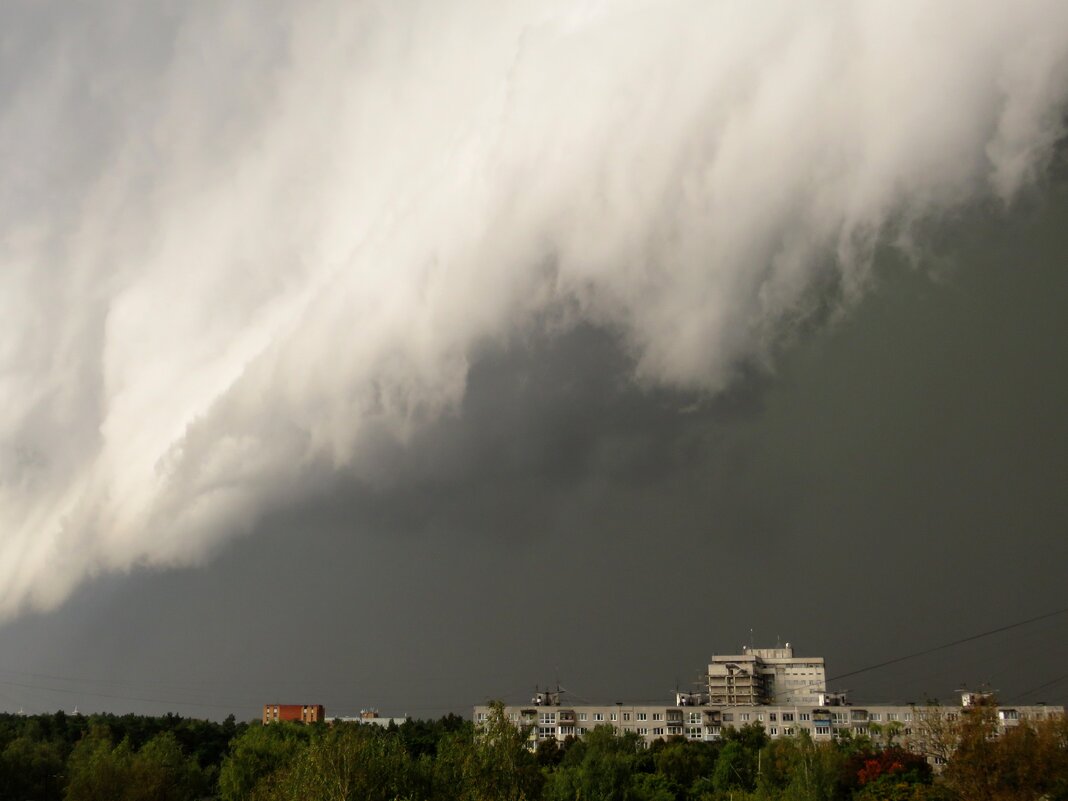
897,481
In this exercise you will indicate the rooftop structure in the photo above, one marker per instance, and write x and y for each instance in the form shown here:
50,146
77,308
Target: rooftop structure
764,676
369,717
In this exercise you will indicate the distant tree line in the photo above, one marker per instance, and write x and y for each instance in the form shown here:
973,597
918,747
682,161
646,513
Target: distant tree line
134,758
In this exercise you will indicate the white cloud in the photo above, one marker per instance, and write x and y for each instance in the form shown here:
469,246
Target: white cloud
239,247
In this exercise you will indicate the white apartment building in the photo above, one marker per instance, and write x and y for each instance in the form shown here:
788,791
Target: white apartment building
771,688
916,727
765,676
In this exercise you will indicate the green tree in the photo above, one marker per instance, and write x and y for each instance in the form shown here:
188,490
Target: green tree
256,754
494,764
158,772
347,763
97,770
161,772
601,767
31,769
682,763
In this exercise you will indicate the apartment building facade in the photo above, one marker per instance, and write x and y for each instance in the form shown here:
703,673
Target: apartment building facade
770,688
913,726
760,676
298,713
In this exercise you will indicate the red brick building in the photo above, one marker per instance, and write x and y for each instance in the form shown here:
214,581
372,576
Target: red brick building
306,713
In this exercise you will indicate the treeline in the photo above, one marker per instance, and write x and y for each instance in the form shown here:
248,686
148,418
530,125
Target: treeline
52,757
133,758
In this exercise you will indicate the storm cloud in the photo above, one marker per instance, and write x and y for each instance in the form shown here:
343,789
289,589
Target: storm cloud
244,251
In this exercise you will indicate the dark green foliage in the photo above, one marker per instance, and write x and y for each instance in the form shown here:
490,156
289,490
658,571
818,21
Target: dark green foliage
602,766
31,769
256,754
347,763
421,737
492,765
159,771
132,758
683,763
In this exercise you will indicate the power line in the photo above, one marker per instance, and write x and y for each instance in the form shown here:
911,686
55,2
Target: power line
92,694
1057,680
947,645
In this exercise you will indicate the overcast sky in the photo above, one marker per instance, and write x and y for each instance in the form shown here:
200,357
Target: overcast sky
410,354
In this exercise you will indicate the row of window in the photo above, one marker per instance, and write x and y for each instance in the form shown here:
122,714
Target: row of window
694,732
549,718
694,718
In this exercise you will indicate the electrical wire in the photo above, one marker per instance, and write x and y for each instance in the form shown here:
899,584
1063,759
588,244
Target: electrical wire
948,645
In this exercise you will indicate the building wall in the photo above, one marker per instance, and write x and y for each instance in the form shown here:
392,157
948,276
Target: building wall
911,725
301,713
765,676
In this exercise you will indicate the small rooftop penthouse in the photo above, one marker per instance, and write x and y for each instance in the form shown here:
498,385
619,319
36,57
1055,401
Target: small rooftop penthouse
759,676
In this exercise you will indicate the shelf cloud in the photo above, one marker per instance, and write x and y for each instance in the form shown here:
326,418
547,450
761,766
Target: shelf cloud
245,247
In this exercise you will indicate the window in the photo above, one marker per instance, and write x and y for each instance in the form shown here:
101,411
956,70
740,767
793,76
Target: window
612,716
598,715
760,716
674,729
658,730
773,731
482,717
788,730
582,715
545,732
547,718
658,716
640,716
626,716
744,716
891,716
642,731
823,730
908,716
694,732
876,716
772,717
728,717
695,717
804,716
787,717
